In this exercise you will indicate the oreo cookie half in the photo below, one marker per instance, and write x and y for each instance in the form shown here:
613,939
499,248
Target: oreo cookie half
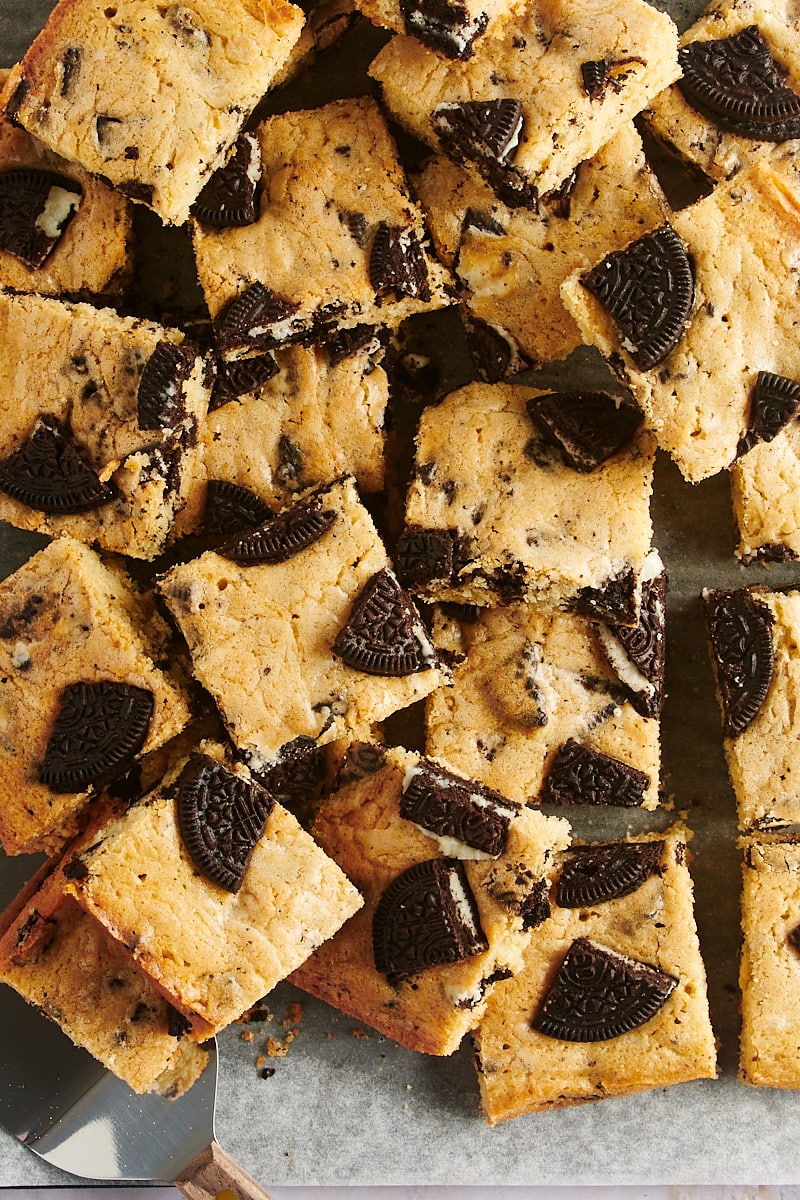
737,84
98,730
160,402
229,199
638,652
35,208
740,628
282,536
232,509
427,917
49,474
256,318
774,402
580,775
221,817
444,25
384,634
397,263
648,291
588,427
599,994
450,807
595,874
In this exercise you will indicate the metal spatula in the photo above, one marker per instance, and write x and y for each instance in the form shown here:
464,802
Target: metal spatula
60,1103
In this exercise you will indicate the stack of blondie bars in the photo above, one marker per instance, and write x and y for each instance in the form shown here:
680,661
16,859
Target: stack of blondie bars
311,668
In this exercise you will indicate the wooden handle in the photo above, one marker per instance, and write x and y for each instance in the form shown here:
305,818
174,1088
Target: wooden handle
213,1175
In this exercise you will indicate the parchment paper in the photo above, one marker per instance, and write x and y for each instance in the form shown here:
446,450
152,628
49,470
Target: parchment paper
342,1105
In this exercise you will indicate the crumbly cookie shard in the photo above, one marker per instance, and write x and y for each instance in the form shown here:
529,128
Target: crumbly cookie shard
60,959
276,679
652,927
235,945
328,250
67,619
520,524
79,87
697,396
525,683
769,961
98,437
753,634
443,919
738,95
512,262
526,80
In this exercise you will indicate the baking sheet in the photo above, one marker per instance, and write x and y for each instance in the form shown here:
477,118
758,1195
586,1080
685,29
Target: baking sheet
342,1105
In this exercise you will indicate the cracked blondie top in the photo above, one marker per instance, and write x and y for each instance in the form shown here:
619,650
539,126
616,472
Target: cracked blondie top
504,506
299,628
410,832
552,84
201,66
100,421
723,268
612,998
512,262
540,708
739,93
83,652
335,242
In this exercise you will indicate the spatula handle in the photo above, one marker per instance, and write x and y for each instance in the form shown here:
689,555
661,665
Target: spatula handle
213,1175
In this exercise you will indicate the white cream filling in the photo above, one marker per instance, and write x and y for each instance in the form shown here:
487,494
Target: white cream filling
58,208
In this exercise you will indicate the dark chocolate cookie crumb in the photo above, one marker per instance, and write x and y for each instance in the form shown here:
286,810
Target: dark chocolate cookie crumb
594,874
221,816
580,775
427,917
648,291
737,83
599,994
48,473
98,730
740,628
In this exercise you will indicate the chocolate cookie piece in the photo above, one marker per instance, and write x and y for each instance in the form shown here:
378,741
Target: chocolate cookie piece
454,808
444,25
231,509
495,353
424,555
480,129
580,775
587,427
384,634
638,652
397,263
48,473
229,199
648,291
253,319
221,817
774,402
427,917
595,874
160,403
298,778
240,378
600,74
282,536
740,628
361,760
36,207
737,83
98,731
616,601
599,994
